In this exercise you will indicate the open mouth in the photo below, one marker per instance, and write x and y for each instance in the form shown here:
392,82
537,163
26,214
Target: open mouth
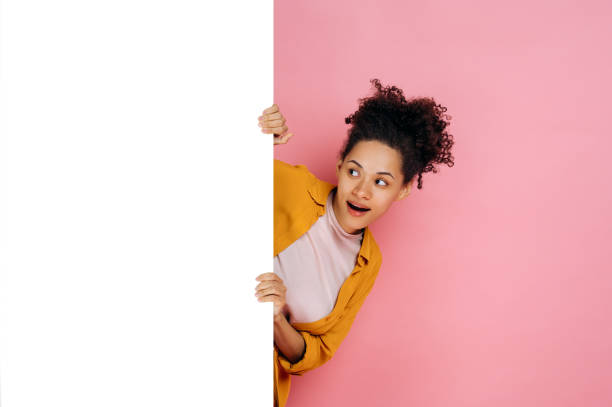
357,208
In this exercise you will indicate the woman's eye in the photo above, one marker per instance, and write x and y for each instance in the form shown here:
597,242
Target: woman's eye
382,182
353,172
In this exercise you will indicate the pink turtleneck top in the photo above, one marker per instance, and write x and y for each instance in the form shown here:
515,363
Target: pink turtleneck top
315,266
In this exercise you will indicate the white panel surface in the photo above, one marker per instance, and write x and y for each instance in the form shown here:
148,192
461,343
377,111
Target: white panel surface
136,203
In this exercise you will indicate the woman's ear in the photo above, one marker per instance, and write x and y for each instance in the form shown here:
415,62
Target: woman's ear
338,166
405,191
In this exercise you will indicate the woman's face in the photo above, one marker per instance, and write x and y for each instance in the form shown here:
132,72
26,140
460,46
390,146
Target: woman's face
370,177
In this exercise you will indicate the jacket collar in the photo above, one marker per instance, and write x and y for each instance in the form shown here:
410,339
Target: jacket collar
319,191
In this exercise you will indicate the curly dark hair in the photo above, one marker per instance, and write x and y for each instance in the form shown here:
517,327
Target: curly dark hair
415,128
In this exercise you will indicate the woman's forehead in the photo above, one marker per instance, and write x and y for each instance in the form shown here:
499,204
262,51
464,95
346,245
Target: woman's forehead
375,156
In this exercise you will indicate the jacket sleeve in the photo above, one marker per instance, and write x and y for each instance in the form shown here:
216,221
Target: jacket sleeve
321,348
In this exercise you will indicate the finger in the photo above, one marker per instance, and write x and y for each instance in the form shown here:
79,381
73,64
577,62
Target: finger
269,297
276,130
278,139
268,281
267,276
271,285
270,291
273,130
283,139
279,130
264,277
274,123
260,286
271,109
272,116
266,284
270,127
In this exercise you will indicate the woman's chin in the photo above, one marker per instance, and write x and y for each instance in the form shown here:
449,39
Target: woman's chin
354,227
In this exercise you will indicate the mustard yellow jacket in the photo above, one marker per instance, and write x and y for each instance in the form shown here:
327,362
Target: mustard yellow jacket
299,200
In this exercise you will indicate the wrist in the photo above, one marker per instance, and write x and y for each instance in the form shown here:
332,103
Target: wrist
279,318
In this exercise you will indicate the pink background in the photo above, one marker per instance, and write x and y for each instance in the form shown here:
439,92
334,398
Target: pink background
495,289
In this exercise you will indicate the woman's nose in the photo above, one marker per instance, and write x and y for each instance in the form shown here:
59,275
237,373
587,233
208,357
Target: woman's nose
361,190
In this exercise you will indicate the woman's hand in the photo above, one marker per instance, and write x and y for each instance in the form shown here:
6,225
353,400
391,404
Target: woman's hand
271,288
272,122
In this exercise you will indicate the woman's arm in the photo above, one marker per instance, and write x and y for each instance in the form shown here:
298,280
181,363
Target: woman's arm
320,348
288,341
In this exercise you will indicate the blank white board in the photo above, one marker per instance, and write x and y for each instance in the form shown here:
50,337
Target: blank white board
136,203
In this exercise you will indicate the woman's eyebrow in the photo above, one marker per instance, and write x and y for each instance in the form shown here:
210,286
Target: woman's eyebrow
379,172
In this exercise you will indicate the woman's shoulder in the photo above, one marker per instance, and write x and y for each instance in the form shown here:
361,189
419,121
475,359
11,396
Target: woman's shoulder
297,203
290,179
283,170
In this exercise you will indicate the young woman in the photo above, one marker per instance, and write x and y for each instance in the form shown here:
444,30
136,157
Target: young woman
325,258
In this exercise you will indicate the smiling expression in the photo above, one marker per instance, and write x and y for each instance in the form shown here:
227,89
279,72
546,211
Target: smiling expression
369,180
